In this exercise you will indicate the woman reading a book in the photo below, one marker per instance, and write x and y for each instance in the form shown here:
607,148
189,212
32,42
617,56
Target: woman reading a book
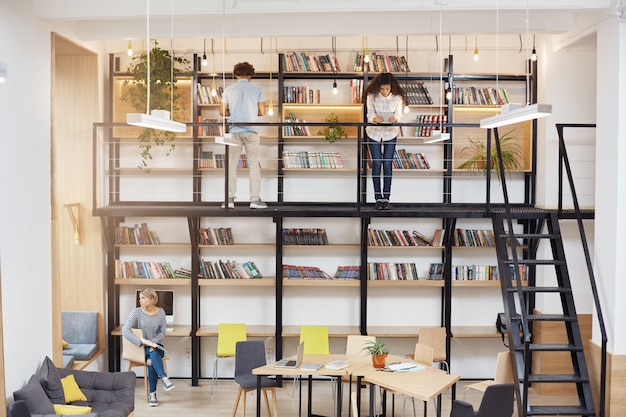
150,318
384,98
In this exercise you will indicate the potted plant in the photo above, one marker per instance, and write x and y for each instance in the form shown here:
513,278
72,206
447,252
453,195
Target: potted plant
335,132
512,155
378,350
163,93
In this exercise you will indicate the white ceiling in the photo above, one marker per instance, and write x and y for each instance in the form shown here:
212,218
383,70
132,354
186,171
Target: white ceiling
126,19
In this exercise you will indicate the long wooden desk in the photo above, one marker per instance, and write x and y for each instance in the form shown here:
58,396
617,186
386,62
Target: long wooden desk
425,384
356,362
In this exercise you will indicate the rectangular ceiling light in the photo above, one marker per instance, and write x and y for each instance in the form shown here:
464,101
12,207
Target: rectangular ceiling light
159,119
437,136
522,114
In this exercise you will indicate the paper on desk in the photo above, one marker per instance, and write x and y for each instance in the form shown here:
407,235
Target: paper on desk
405,367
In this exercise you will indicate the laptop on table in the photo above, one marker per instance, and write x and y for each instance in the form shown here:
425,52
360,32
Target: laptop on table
291,363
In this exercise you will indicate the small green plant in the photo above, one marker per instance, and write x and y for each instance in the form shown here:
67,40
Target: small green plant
335,132
163,94
376,347
512,155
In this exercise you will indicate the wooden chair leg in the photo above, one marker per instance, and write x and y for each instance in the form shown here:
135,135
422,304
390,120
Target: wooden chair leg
245,396
274,401
237,401
267,402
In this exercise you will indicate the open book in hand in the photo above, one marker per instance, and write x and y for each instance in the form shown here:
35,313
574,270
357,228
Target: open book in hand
405,367
152,344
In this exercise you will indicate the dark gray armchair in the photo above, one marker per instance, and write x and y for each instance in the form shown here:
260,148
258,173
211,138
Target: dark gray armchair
497,402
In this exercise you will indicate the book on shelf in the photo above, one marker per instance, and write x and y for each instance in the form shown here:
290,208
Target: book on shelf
301,94
304,272
435,271
397,238
216,236
430,122
347,272
388,271
210,159
312,159
143,269
381,63
305,236
304,62
135,235
473,237
416,92
476,96
229,270
205,94
211,127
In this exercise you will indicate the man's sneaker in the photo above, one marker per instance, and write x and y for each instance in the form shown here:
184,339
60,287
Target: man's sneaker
167,384
152,400
231,203
386,205
257,204
379,204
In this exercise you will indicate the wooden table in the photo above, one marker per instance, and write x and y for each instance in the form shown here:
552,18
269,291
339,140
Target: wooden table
425,384
356,362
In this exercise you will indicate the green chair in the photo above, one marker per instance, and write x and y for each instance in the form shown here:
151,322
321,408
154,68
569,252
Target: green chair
228,334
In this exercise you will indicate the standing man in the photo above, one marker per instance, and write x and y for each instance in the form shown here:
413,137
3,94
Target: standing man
243,102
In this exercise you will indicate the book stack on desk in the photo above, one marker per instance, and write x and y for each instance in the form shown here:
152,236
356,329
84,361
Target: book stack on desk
337,365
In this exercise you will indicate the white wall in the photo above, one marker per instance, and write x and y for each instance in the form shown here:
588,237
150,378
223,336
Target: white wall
25,227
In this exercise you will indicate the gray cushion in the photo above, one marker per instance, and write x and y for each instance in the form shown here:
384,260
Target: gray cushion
80,327
68,361
36,399
51,381
80,351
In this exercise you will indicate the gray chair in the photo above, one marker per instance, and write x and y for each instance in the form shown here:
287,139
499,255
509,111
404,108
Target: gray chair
250,355
497,402
18,409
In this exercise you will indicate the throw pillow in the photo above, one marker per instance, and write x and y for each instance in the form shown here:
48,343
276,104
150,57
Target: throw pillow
51,381
36,399
72,390
71,410
65,344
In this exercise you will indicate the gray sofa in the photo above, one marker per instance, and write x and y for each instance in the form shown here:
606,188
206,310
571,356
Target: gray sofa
80,330
109,394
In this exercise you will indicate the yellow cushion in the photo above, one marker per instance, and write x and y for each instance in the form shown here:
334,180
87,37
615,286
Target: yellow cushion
71,390
65,344
71,410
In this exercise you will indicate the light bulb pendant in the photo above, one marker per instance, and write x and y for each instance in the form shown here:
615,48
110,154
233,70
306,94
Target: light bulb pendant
213,89
130,49
406,108
533,56
205,62
476,54
270,109
335,90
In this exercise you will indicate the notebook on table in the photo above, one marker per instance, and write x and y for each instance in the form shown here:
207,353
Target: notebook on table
291,363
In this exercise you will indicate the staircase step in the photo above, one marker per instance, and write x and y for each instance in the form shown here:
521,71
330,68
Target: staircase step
550,317
559,410
535,378
542,289
537,347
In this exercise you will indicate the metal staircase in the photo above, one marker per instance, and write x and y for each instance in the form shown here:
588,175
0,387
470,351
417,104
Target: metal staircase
517,252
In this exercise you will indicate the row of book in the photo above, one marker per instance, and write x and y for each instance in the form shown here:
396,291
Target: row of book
435,122
205,94
295,129
209,159
302,61
381,63
416,93
304,272
144,269
487,96
305,159
213,128
216,236
135,235
397,237
229,270
474,237
485,272
347,272
304,236
301,94
409,160
388,271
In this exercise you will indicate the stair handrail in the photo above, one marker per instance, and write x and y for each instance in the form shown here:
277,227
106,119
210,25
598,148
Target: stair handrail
564,163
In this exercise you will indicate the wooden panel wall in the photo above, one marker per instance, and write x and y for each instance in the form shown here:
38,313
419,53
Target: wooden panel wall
77,282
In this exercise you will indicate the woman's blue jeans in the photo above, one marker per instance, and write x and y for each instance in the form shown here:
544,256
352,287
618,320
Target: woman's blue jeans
156,370
382,156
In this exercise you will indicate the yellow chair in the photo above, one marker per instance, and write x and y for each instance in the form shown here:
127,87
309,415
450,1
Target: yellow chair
504,374
436,338
315,340
228,334
136,356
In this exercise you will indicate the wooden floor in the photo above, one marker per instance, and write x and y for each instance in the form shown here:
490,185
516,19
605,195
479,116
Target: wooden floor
188,401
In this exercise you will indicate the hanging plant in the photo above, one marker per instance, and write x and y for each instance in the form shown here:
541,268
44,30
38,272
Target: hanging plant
335,132
164,94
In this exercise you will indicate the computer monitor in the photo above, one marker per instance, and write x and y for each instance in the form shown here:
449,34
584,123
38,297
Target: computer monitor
166,302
